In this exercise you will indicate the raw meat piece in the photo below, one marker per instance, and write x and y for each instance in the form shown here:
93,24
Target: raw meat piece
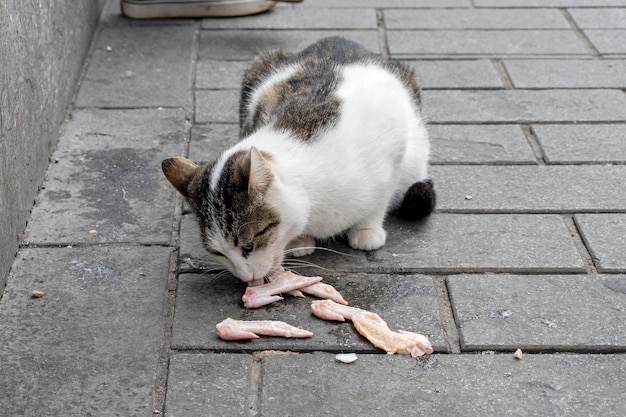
374,328
281,282
326,291
230,329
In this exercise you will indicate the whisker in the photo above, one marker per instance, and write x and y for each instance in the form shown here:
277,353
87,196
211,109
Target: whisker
222,273
193,265
245,224
212,268
288,251
301,263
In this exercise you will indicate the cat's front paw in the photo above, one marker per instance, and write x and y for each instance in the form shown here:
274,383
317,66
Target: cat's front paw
367,239
301,246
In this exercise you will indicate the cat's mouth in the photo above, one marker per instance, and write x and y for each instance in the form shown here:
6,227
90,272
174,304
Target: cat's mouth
275,270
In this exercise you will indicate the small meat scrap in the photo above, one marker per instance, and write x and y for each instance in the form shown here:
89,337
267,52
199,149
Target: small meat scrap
374,328
282,282
230,329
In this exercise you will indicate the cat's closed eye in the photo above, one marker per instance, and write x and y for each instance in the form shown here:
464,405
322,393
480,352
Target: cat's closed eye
216,253
267,229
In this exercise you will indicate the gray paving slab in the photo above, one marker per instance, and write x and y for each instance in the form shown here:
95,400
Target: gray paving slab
549,3
387,3
476,144
90,344
246,44
531,188
527,189
605,236
448,242
608,41
209,140
494,43
577,73
294,18
220,74
515,106
582,143
192,252
201,385
443,243
139,66
600,18
444,385
540,312
476,73
217,106
475,19
405,302
107,178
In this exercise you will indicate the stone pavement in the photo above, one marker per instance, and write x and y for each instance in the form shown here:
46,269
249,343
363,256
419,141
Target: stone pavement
527,110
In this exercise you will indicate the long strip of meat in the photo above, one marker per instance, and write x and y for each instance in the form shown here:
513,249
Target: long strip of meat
230,329
374,328
282,282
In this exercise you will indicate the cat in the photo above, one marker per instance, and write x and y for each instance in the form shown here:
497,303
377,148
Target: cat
332,140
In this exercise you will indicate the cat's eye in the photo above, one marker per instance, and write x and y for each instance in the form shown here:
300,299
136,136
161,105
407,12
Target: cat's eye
267,229
217,253
247,248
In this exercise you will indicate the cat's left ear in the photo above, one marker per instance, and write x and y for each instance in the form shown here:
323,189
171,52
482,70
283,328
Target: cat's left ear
180,171
260,173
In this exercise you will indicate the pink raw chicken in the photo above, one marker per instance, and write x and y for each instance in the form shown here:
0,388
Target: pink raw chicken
230,329
374,328
288,282
323,290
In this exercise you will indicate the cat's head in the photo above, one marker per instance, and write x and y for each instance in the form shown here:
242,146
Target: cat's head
235,201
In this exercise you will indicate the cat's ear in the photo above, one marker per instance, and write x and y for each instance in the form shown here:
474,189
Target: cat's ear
179,172
260,173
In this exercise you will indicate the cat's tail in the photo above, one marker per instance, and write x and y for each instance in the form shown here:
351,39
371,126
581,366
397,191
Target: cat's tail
419,201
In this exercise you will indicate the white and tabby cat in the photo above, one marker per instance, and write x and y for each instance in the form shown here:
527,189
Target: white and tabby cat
332,140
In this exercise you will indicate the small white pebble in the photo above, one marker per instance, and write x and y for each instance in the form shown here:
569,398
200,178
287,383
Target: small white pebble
518,354
506,313
468,197
548,323
346,357
93,233
109,49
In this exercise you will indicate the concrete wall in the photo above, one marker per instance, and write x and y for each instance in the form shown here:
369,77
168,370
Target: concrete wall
43,45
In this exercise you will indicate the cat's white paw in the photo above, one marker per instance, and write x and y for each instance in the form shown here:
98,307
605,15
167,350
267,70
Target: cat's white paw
367,239
301,246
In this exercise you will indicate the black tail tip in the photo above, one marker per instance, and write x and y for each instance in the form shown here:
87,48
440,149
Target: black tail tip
419,201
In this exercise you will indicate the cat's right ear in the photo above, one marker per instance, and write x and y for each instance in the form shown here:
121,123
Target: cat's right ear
179,171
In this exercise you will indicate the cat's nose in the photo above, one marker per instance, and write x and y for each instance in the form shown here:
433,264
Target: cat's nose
245,277
244,274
